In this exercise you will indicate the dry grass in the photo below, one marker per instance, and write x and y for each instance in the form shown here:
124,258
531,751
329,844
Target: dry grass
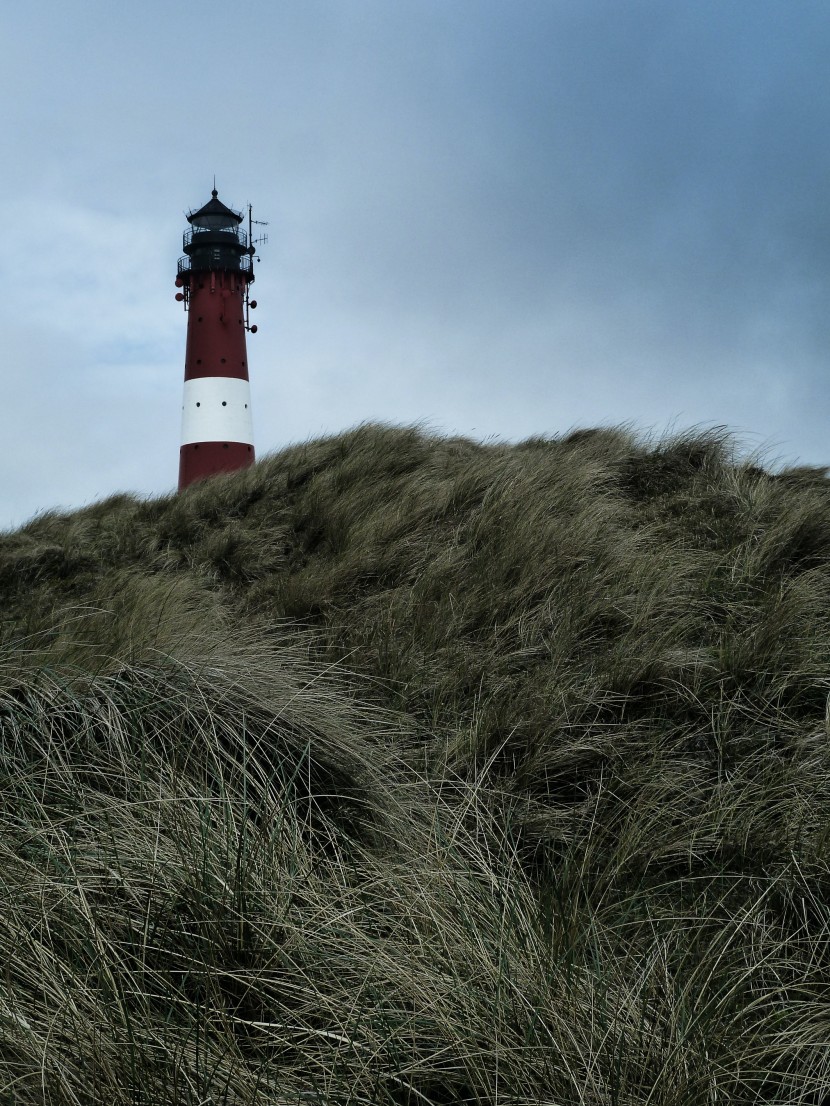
404,770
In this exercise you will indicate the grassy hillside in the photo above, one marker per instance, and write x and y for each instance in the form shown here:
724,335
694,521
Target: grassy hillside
407,770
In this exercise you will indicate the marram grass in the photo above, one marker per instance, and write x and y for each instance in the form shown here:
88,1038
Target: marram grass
406,770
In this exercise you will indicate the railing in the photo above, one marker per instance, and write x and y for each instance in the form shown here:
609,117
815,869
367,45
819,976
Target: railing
242,264
227,235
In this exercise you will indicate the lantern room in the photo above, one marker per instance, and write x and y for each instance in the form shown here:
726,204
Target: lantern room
215,242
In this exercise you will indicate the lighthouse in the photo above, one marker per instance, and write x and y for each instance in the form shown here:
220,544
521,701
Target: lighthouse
214,277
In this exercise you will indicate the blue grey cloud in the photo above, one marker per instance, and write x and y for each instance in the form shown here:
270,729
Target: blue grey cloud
503,219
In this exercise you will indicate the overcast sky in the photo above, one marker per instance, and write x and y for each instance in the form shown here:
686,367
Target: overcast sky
500,219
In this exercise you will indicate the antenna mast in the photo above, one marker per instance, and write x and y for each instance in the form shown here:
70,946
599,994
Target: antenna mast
253,243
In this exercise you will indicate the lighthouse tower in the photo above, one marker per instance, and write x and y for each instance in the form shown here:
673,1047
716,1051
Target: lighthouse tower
214,275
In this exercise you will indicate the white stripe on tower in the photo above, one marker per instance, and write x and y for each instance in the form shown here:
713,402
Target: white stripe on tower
217,409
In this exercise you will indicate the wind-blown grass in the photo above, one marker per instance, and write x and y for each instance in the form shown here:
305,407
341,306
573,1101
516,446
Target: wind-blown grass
398,769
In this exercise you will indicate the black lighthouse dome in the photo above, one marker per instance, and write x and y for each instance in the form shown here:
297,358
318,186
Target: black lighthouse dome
214,215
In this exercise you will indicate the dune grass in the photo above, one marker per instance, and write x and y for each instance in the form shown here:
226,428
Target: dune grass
400,769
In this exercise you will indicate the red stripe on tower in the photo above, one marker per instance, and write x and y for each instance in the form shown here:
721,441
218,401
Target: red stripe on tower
215,275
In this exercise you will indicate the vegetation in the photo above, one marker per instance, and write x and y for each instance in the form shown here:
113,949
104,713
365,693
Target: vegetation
406,770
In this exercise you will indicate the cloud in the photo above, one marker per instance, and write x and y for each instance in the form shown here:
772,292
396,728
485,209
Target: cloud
503,219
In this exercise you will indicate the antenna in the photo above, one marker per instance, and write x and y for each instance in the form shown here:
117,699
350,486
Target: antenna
252,242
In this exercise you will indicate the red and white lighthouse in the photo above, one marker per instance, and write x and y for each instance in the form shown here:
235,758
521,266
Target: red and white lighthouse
215,275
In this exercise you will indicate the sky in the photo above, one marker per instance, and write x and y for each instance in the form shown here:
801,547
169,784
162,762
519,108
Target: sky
494,218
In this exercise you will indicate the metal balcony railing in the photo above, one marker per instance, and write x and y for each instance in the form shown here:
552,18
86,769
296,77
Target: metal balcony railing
229,235
241,264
